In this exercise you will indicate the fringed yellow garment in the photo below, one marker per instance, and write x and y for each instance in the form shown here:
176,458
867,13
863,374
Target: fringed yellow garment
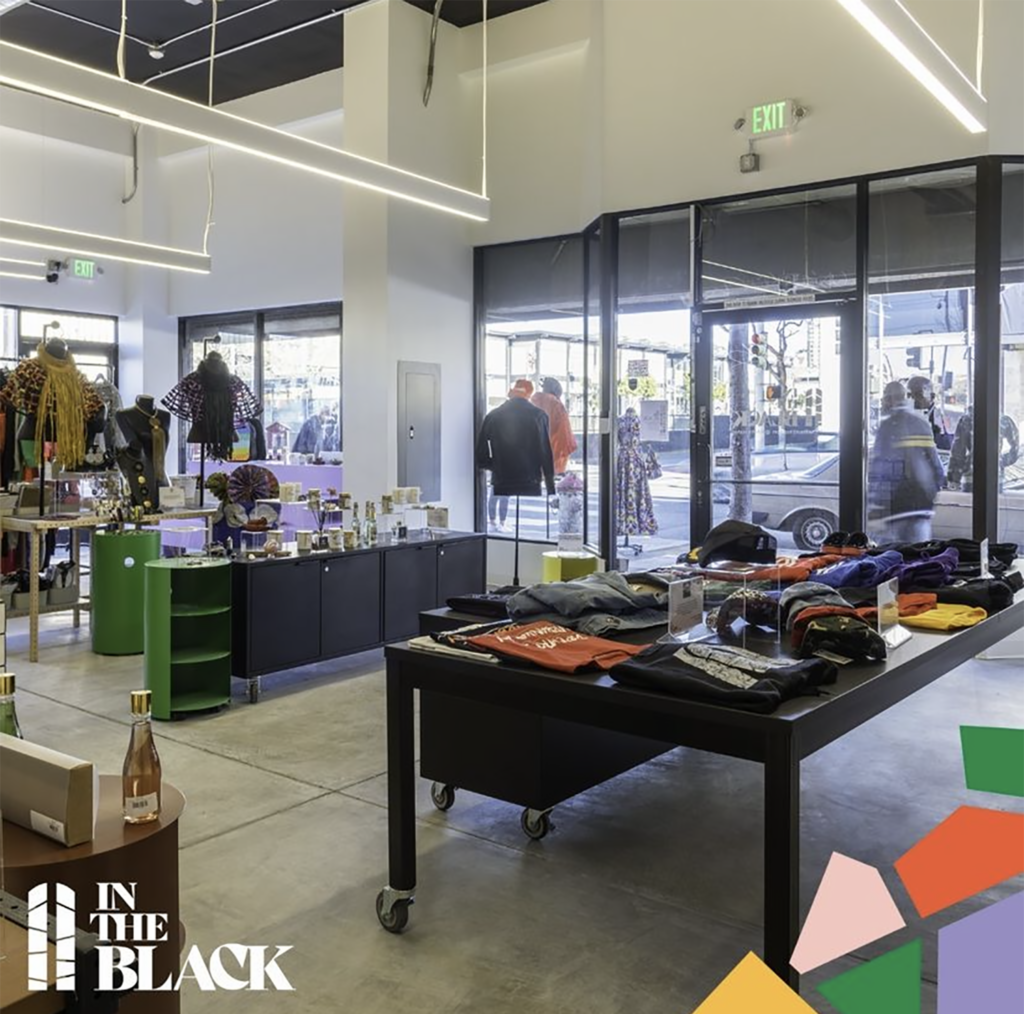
61,400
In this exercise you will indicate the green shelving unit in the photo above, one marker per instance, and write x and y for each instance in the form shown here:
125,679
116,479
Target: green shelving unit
117,589
188,635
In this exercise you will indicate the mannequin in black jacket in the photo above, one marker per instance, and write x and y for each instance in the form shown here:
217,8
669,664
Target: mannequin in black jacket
513,444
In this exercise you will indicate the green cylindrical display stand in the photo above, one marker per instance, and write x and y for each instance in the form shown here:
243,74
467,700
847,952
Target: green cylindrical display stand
118,589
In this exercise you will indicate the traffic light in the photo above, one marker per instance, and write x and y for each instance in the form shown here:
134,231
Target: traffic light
914,358
759,351
772,392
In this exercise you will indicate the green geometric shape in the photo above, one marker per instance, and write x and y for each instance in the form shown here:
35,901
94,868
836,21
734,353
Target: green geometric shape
993,759
890,984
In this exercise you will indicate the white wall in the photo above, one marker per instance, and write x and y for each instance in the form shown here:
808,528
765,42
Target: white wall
55,182
671,76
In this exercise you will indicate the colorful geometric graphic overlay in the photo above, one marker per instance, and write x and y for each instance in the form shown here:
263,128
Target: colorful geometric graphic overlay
993,759
981,961
971,850
753,987
853,907
890,984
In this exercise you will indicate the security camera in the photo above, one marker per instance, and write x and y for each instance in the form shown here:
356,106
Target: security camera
53,270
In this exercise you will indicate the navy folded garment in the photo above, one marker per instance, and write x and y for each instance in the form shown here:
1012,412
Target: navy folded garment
931,573
861,571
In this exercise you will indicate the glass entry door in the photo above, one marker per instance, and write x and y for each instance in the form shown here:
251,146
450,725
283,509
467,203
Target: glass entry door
774,422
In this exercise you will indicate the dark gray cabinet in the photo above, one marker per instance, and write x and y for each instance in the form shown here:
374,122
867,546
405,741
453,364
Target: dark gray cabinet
350,616
294,611
285,615
410,587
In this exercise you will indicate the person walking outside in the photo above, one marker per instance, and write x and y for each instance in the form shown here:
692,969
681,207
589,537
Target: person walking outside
904,471
563,440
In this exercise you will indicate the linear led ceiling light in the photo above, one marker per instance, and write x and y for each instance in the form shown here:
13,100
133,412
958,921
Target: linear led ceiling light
899,33
48,75
88,244
19,274
19,260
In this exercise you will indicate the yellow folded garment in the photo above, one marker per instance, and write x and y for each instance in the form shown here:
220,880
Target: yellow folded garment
946,616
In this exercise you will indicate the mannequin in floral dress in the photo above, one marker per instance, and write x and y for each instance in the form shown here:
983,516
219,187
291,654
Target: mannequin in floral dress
634,509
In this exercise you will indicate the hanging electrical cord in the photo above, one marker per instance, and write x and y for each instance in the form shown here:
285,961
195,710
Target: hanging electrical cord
483,156
121,39
135,164
209,148
432,51
981,40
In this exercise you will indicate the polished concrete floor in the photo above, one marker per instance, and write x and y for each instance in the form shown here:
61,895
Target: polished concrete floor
645,895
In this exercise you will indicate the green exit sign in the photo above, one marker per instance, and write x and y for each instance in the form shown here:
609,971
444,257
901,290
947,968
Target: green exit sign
772,118
83,269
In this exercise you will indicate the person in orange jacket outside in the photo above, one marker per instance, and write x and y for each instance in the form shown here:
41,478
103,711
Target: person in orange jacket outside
563,442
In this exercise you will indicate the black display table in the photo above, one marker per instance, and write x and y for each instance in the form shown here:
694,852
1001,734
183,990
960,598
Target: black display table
780,741
294,610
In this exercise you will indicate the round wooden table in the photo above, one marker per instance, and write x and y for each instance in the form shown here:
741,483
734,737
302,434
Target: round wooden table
143,854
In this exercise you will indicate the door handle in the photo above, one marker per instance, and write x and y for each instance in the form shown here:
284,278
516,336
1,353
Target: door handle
412,432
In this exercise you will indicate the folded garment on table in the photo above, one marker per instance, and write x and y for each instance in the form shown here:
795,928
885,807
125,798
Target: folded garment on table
1001,554
946,616
723,674
909,604
553,646
933,572
736,540
596,604
989,593
863,572
785,571
494,604
848,636
432,644
802,596
758,608
805,617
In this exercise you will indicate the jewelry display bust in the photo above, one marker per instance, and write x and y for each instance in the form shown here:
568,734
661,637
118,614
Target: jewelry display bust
146,429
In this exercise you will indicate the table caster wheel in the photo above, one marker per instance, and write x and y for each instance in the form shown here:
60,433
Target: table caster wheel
442,795
535,823
254,691
398,918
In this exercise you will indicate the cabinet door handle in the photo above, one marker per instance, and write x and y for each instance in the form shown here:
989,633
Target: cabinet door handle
327,569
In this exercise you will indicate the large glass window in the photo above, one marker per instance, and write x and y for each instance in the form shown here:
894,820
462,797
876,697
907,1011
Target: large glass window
302,383
787,245
653,393
920,355
534,331
92,339
291,360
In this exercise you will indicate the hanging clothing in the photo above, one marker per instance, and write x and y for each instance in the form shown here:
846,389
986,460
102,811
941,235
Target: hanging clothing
635,508
213,399
514,445
54,394
563,440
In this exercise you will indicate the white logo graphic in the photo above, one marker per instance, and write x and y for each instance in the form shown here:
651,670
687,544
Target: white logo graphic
128,964
38,918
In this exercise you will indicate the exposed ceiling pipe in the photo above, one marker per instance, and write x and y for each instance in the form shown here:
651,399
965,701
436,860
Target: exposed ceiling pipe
432,52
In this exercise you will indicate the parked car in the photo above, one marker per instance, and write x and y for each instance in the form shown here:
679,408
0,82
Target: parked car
771,459
807,504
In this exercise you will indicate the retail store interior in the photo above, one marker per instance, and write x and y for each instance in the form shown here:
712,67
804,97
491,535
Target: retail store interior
511,506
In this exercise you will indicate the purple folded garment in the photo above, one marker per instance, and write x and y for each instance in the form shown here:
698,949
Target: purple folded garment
862,571
931,573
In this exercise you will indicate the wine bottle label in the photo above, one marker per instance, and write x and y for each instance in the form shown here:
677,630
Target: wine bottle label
141,806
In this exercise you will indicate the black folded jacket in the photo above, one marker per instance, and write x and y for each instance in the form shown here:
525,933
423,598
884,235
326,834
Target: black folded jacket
988,593
723,674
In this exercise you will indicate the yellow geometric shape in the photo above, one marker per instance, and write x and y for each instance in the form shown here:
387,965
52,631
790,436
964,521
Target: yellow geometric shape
753,987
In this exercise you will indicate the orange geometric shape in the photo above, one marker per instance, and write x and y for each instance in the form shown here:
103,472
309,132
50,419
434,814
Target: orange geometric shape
971,850
853,907
753,986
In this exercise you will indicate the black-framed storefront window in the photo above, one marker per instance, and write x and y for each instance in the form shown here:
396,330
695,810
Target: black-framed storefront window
291,359
804,304
91,337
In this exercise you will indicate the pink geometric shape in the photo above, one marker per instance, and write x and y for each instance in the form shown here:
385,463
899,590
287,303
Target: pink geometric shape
853,907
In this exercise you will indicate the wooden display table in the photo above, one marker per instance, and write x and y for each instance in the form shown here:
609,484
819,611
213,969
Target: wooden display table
37,528
145,854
